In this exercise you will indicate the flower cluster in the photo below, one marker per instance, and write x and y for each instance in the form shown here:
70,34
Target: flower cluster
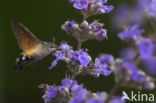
145,47
71,92
151,9
126,15
79,62
140,51
140,13
91,7
102,63
129,69
85,31
131,33
131,76
141,48
67,54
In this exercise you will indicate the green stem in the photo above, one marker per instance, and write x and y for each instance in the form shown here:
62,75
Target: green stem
79,45
113,91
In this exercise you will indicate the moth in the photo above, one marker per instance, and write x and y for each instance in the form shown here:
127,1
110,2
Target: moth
33,48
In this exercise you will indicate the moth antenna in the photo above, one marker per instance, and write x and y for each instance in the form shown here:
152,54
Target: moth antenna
53,38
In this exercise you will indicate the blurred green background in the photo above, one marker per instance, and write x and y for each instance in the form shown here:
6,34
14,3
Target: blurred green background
44,18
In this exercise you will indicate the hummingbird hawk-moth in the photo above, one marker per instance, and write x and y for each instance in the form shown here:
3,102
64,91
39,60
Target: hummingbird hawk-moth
33,49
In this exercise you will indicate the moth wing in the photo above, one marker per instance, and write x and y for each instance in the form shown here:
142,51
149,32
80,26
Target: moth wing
26,40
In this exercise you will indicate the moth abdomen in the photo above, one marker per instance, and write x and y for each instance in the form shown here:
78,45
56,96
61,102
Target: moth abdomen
20,61
18,67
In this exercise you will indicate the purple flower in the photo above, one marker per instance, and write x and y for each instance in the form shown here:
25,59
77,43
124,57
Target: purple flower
78,90
143,4
51,92
75,100
105,59
129,15
81,4
98,32
68,83
61,93
146,47
71,1
63,53
85,31
152,9
134,72
59,56
107,9
103,71
125,15
101,64
64,47
133,77
93,100
79,94
100,6
104,1
91,7
96,25
68,25
82,57
150,64
128,54
132,68
53,64
131,33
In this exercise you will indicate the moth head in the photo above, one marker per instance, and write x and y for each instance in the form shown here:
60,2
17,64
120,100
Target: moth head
51,46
